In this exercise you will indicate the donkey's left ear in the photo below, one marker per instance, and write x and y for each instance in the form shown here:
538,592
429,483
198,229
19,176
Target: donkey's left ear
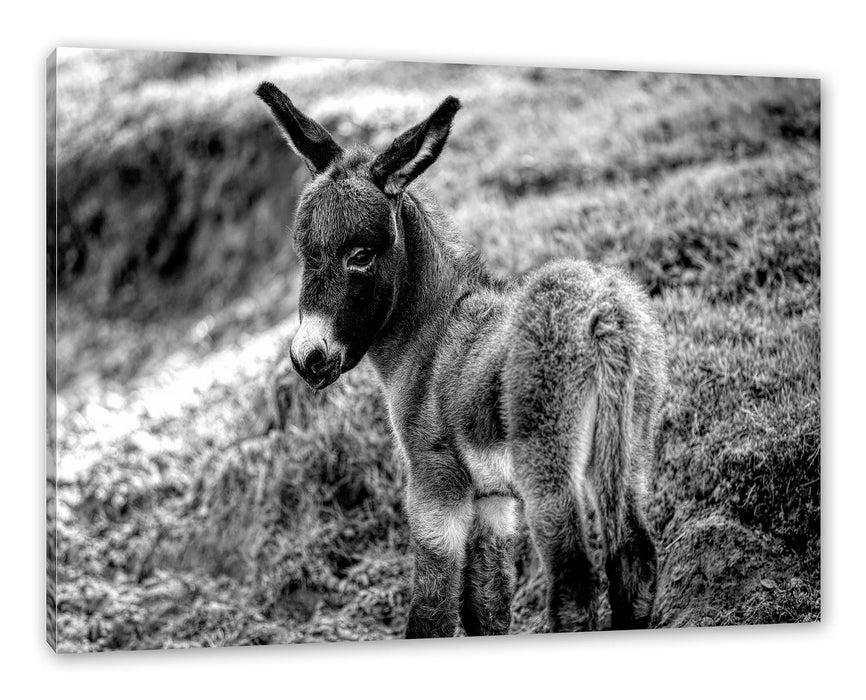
414,150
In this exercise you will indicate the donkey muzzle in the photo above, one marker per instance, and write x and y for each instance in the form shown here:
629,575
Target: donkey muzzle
314,353
317,367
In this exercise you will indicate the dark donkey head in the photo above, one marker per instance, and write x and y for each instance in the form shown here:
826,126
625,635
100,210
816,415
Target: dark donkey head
348,234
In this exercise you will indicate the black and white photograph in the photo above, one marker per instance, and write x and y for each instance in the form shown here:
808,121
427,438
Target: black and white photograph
352,350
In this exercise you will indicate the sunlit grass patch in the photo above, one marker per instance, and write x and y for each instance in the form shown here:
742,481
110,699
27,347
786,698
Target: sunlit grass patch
744,417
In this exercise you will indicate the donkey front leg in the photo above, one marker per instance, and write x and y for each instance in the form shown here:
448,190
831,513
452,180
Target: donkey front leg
440,525
489,577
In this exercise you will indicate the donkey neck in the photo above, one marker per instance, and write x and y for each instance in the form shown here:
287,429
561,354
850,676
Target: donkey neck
435,276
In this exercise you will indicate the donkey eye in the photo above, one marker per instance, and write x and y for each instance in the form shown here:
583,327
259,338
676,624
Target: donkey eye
362,257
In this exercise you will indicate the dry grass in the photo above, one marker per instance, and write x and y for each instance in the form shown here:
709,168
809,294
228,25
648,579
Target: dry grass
206,497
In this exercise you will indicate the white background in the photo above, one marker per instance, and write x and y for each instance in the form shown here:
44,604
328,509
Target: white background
821,40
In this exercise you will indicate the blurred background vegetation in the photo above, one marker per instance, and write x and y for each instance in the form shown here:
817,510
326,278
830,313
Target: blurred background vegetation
205,497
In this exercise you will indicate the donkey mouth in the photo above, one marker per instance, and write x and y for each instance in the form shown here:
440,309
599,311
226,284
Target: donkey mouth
319,383
332,374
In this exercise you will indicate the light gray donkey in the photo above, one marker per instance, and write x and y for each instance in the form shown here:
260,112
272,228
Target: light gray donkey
544,392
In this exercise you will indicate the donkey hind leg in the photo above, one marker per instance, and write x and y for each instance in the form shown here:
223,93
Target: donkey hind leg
621,457
550,472
632,565
439,534
489,575
631,561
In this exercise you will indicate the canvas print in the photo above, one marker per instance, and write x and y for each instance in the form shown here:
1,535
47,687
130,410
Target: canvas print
361,350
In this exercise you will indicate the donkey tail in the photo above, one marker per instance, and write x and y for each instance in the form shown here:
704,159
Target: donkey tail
617,473
614,382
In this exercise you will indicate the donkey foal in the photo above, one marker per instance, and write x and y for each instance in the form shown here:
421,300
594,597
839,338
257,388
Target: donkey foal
544,392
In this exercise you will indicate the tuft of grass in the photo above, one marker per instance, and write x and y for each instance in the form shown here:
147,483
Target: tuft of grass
794,600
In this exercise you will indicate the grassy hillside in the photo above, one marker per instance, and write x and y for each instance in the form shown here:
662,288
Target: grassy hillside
206,497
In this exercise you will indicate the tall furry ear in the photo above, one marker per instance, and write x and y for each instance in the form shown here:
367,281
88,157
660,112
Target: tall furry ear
308,138
414,150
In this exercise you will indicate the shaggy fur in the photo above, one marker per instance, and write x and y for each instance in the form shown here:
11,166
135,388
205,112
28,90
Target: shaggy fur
545,391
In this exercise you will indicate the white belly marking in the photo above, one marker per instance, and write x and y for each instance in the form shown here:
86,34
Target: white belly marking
499,514
491,469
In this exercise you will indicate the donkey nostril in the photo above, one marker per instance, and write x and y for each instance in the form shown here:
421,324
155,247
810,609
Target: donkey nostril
316,362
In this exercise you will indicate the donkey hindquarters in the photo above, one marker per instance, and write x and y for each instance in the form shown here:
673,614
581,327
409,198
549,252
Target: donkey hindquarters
583,386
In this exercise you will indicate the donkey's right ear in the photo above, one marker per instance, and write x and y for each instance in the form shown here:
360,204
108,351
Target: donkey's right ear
308,138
